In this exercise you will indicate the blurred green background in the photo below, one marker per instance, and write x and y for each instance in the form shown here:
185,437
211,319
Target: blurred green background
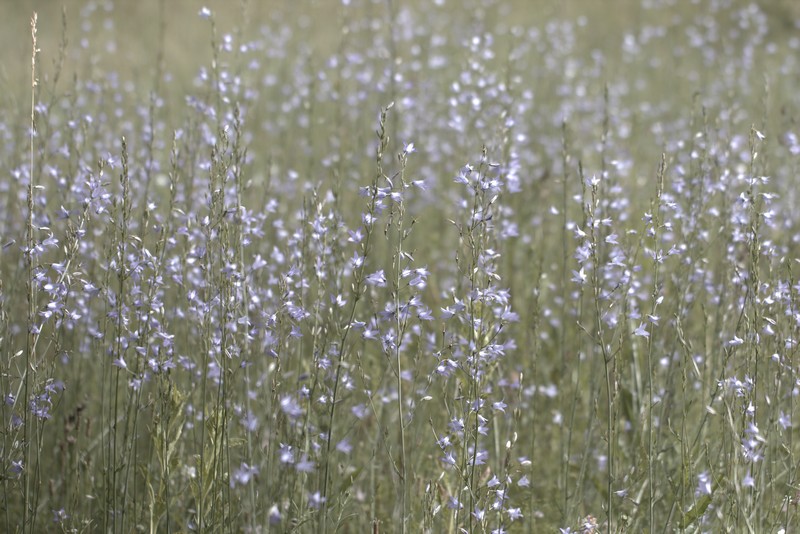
140,30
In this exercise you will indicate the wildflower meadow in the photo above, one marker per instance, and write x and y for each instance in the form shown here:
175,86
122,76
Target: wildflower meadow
413,266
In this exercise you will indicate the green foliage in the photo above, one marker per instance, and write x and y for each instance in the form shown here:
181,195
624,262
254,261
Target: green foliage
400,266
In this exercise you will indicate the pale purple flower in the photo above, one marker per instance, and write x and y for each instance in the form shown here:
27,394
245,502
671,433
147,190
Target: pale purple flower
59,516
316,500
499,406
784,420
377,279
305,465
274,515
291,407
286,454
703,484
344,446
735,342
449,458
641,331
514,514
579,277
244,474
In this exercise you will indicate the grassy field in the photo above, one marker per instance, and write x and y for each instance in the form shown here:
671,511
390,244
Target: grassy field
382,266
